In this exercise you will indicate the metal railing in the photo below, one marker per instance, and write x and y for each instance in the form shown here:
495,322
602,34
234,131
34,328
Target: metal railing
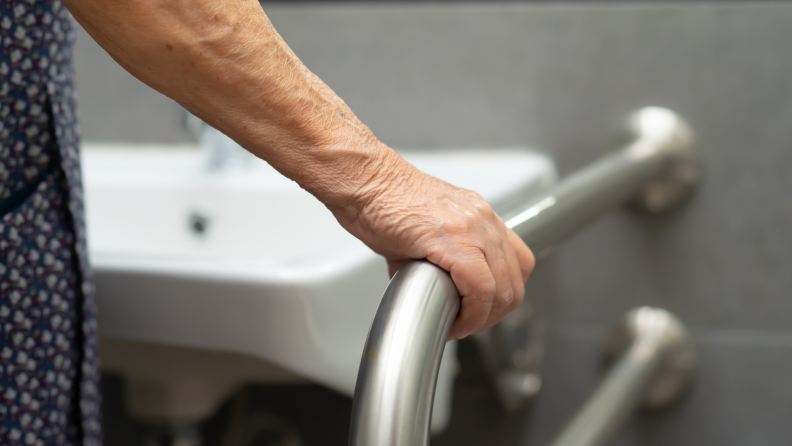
656,362
401,359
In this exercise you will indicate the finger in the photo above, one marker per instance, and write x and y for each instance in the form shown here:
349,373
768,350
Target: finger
504,293
476,285
515,273
517,284
524,255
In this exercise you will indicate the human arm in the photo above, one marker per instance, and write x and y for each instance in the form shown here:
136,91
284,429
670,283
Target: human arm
224,62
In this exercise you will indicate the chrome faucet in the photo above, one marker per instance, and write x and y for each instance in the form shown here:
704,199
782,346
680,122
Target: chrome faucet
221,151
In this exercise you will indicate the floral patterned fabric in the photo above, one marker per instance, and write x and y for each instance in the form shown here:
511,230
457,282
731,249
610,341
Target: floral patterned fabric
48,359
39,313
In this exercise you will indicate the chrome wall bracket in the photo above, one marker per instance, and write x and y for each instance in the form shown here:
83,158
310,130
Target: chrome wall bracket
661,128
673,347
655,362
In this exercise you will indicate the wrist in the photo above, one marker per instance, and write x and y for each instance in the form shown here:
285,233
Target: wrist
347,176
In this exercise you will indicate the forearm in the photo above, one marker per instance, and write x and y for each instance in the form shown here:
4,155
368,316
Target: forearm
224,62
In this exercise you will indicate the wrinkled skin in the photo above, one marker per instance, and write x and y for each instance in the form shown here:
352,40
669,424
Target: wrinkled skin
411,215
224,62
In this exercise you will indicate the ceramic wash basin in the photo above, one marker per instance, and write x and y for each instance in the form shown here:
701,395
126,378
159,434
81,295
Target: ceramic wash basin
241,261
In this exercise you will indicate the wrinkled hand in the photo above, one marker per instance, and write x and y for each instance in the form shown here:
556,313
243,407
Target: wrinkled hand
405,214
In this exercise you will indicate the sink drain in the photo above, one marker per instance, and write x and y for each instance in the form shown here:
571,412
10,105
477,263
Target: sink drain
198,223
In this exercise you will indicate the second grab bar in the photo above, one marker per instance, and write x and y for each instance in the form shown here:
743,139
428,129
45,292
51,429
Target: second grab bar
657,359
401,359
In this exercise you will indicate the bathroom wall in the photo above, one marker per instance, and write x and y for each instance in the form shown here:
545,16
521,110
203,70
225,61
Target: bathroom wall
561,78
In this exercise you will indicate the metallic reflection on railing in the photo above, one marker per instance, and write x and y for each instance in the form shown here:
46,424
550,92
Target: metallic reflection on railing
398,371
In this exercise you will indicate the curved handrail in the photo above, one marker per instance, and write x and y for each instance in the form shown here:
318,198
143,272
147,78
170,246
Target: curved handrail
401,359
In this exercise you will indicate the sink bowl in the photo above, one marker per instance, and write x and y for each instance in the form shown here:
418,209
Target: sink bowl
242,261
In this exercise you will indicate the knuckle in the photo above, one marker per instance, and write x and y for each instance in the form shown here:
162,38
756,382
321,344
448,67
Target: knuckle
503,302
459,224
488,212
507,297
519,296
484,209
486,290
519,290
475,199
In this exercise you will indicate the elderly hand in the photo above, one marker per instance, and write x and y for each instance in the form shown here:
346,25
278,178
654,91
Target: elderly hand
405,214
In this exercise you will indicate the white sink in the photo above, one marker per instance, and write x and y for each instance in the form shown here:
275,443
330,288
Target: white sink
272,275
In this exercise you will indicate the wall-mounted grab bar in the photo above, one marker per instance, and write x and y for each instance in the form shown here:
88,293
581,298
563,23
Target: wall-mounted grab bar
401,359
656,361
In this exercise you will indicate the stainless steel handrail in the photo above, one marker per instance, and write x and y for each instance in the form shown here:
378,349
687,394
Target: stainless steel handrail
401,359
655,367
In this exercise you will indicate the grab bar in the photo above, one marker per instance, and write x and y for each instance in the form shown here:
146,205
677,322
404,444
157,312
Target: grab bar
655,367
398,372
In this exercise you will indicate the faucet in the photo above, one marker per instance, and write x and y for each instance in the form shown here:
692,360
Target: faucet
221,151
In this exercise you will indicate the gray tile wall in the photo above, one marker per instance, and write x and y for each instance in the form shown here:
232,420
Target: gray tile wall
561,77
